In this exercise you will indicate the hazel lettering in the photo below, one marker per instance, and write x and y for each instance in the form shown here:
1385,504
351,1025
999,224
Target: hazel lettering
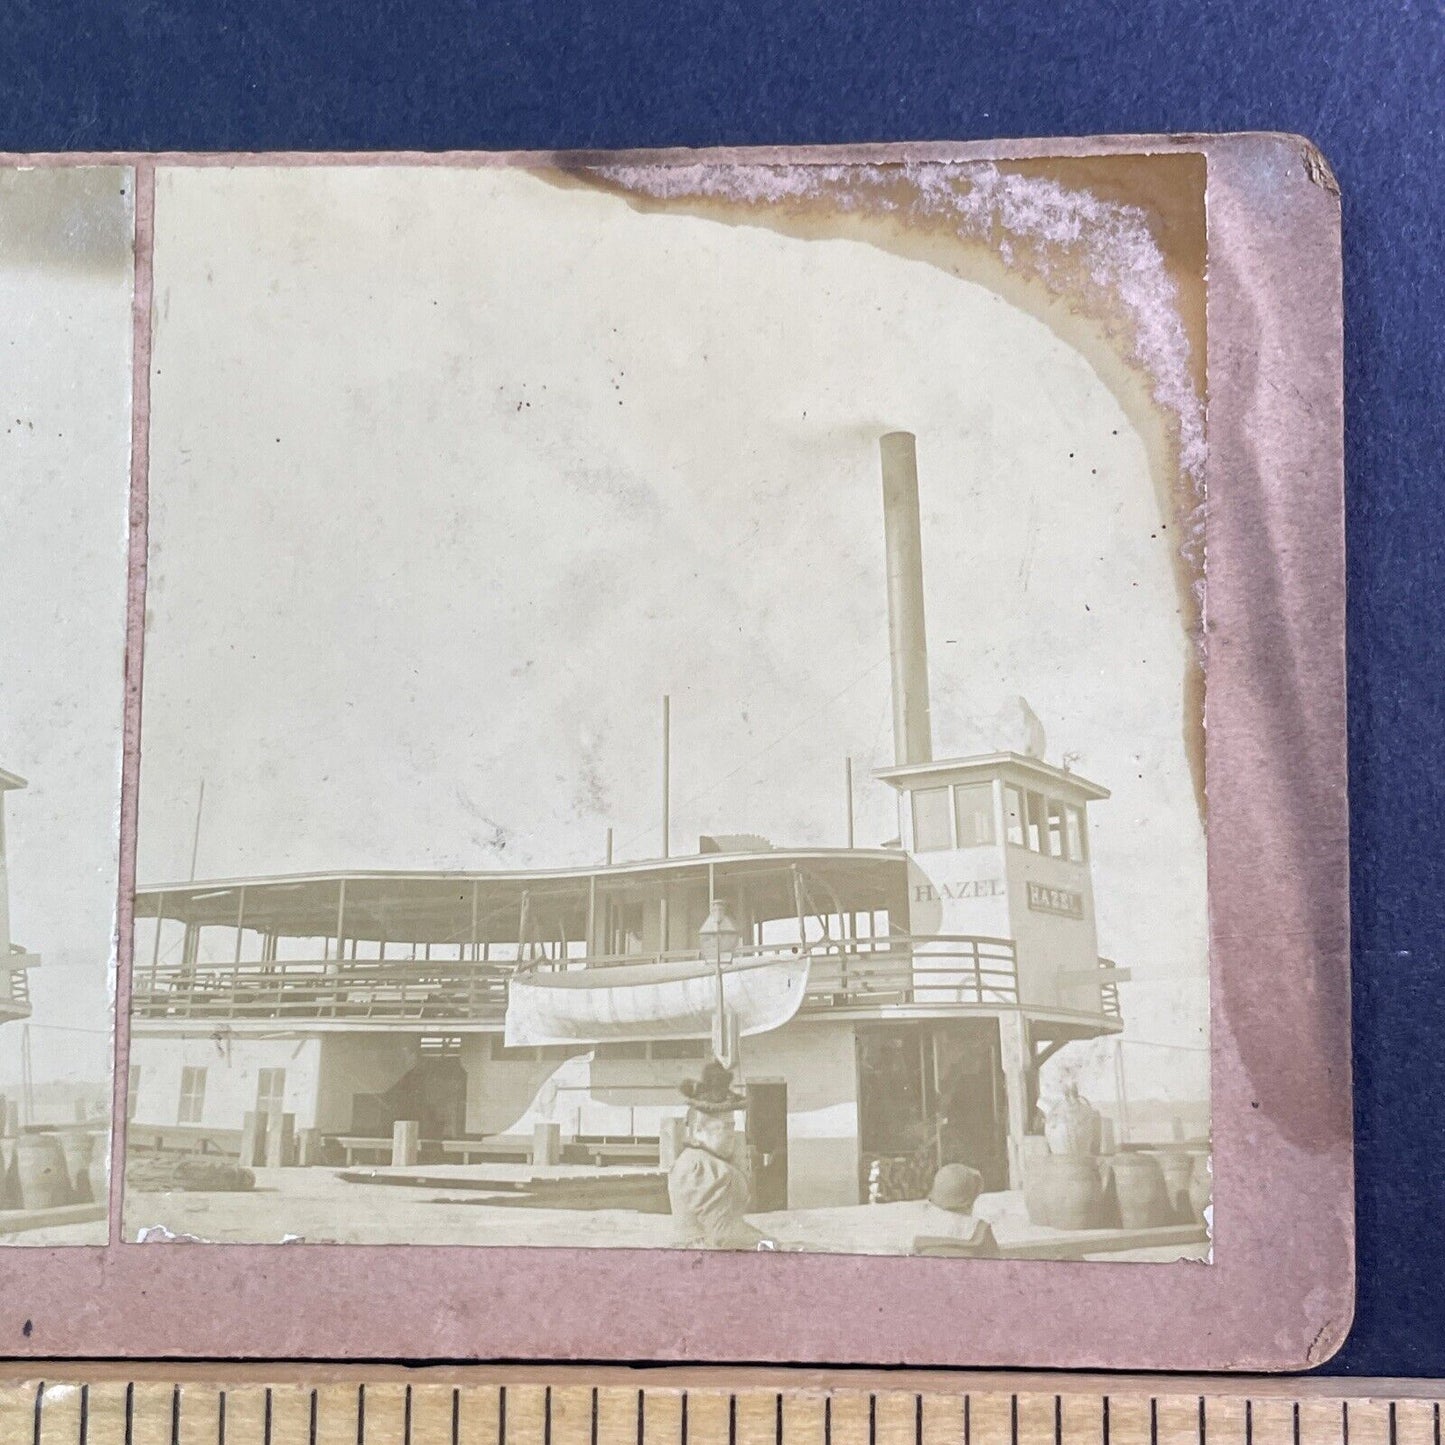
977,888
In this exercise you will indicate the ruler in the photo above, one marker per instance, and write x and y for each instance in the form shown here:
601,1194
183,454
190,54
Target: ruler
301,1405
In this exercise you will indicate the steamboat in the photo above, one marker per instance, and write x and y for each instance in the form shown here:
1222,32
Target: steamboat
885,1002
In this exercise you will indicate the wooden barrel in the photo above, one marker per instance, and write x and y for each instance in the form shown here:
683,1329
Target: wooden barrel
1139,1191
78,1149
40,1168
1178,1173
1064,1191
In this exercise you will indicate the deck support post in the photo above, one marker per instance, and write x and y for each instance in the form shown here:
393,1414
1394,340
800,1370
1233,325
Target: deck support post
280,1139
592,946
1013,1032
546,1143
405,1138
340,922
253,1139
240,921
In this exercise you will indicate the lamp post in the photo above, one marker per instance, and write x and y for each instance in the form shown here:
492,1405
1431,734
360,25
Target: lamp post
718,938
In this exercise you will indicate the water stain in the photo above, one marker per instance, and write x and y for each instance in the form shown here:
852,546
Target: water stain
1109,252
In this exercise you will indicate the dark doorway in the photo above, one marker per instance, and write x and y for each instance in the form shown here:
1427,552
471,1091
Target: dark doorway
972,1113
930,1094
767,1137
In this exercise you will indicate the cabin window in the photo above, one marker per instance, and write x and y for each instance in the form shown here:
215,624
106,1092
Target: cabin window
681,1049
193,1096
1059,830
1013,815
532,1053
628,1049
1078,834
270,1090
132,1091
932,828
973,813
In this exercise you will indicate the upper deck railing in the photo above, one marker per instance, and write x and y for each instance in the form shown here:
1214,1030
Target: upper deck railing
853,974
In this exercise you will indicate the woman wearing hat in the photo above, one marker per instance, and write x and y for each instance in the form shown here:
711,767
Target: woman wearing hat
709,1186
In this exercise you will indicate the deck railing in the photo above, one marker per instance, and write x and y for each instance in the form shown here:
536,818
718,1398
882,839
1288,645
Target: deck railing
1109,991
387,992
15,1003
949,969
886,973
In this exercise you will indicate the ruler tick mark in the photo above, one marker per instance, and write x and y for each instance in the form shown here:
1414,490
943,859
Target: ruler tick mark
175,1415
681,1429
39,1396
828,1420
641,1415
85,1416
732,1420
1393,1436
361,1415
1103,1421
1013,1421
312,1433
1296,1422
778,1418
872,1419
1153,1421
917,1419
1201,1421
501,1415
1249,1422
130,1414
594,1415
1345,1422
405,1418
967,1420
220,1419
266,1422
547,1416
456,1415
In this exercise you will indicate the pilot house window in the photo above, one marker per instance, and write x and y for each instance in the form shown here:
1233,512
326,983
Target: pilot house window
973,813
1044,825
1037,830
932,827
1013,816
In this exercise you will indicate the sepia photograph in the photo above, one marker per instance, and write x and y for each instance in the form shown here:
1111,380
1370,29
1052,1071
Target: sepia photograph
672,713
66,241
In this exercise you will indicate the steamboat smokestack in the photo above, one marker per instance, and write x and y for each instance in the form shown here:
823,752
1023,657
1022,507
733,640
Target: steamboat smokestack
907,643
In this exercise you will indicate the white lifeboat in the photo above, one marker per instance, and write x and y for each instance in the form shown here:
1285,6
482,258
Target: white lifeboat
665,999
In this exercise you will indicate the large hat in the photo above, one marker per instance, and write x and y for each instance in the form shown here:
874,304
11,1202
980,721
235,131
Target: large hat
714,1092
956,1187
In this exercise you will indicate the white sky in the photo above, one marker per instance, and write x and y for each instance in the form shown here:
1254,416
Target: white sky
455,473
65,297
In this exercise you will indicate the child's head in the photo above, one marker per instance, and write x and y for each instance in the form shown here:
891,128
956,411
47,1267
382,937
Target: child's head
956,1188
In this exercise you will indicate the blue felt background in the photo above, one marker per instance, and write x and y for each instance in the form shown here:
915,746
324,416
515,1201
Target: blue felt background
1363,78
